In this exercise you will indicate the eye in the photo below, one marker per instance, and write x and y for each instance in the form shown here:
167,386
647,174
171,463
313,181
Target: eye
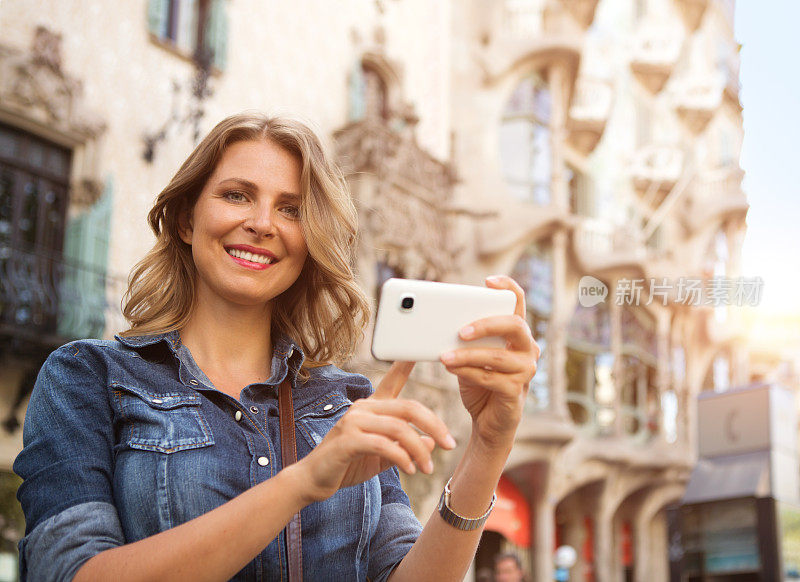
235,196
291,211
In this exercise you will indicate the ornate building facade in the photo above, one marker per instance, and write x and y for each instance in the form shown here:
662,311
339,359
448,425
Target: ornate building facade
546,139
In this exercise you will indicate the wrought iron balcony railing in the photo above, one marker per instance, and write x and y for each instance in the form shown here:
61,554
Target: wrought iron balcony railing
46,300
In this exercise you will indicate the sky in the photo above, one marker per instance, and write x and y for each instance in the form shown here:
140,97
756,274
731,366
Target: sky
770,77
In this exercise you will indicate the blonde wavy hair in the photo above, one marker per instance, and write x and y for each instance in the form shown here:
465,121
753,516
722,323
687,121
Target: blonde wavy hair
324,311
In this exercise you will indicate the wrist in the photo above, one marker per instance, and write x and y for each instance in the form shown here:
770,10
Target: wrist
297,483
490,450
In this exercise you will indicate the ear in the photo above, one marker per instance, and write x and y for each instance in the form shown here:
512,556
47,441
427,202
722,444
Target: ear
185,226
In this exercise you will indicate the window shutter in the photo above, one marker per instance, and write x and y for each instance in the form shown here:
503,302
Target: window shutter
158,17
83,283
217,33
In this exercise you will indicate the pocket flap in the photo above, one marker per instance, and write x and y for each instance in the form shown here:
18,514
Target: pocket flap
160,401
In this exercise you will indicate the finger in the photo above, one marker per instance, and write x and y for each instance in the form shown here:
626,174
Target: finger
428,441
505,282
507,384
411,411
491,359
403,434
384,447
394,380
511,327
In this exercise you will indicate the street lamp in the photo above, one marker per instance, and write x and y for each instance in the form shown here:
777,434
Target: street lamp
564,559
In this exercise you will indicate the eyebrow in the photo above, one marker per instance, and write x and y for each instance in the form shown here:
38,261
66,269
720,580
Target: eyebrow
252,186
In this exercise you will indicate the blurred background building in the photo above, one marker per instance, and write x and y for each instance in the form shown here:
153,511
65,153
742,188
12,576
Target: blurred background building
546,139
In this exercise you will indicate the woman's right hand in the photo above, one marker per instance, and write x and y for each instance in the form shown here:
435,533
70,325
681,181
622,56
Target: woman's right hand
374,434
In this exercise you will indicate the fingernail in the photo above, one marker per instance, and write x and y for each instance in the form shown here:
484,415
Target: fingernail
493,278
428,468
448,357
449,441
467,332
411,469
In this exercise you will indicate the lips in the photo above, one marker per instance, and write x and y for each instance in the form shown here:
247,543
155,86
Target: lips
253,255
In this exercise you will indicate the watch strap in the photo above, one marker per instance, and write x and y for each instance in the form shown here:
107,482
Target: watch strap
459,521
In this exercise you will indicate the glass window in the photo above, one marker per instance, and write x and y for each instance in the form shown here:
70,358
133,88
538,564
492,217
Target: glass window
525,141
590,364
534,273
369,96
197,28
639,397
721,538
34,181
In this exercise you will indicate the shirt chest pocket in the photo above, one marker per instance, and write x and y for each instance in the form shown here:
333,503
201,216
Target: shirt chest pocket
165,422
316,420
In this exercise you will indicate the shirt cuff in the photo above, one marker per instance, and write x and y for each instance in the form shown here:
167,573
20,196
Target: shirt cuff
58,547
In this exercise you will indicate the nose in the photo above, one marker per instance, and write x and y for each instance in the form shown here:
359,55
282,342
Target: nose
260,222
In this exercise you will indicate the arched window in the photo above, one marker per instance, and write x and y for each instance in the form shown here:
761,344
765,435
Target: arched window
534,272
525,141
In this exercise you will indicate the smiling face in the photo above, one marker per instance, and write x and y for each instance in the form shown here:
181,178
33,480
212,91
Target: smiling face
244,230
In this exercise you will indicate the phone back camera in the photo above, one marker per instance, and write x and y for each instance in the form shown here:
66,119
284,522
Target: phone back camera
407,303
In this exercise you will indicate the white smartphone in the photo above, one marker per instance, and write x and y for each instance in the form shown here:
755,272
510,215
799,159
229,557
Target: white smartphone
417,321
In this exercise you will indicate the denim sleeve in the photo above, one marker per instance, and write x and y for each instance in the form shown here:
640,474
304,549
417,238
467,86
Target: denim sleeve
57,548
66,462
398,528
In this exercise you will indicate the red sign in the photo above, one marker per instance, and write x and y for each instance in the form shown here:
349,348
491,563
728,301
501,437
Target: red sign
511,515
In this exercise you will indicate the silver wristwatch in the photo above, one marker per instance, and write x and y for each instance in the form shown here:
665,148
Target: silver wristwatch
457,521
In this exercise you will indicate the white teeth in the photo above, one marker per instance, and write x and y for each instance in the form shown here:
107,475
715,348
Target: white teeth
248,256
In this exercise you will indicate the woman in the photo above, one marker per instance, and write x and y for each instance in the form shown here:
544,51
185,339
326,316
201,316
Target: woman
155,456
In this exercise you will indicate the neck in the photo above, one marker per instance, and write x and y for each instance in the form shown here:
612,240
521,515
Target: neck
222,336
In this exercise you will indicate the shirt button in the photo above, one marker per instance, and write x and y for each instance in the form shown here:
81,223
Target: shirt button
254,409
327,407
263,461
238,415
193,382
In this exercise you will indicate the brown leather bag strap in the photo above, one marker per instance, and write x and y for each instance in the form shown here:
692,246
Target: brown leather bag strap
288,456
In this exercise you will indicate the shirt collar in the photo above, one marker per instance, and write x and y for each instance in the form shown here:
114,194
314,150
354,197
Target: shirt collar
287,355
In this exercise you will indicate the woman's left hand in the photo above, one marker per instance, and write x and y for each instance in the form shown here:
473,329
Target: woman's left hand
494,381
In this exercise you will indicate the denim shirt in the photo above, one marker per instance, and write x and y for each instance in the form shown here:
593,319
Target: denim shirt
126,438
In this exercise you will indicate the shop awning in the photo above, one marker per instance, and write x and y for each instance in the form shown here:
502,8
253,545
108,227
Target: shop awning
511,516
743,475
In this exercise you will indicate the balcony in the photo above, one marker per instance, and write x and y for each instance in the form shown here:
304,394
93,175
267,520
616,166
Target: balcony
515,30
589,113
716,196
46,300
601,246
655,52
581,10
692,12
697,98
656,167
